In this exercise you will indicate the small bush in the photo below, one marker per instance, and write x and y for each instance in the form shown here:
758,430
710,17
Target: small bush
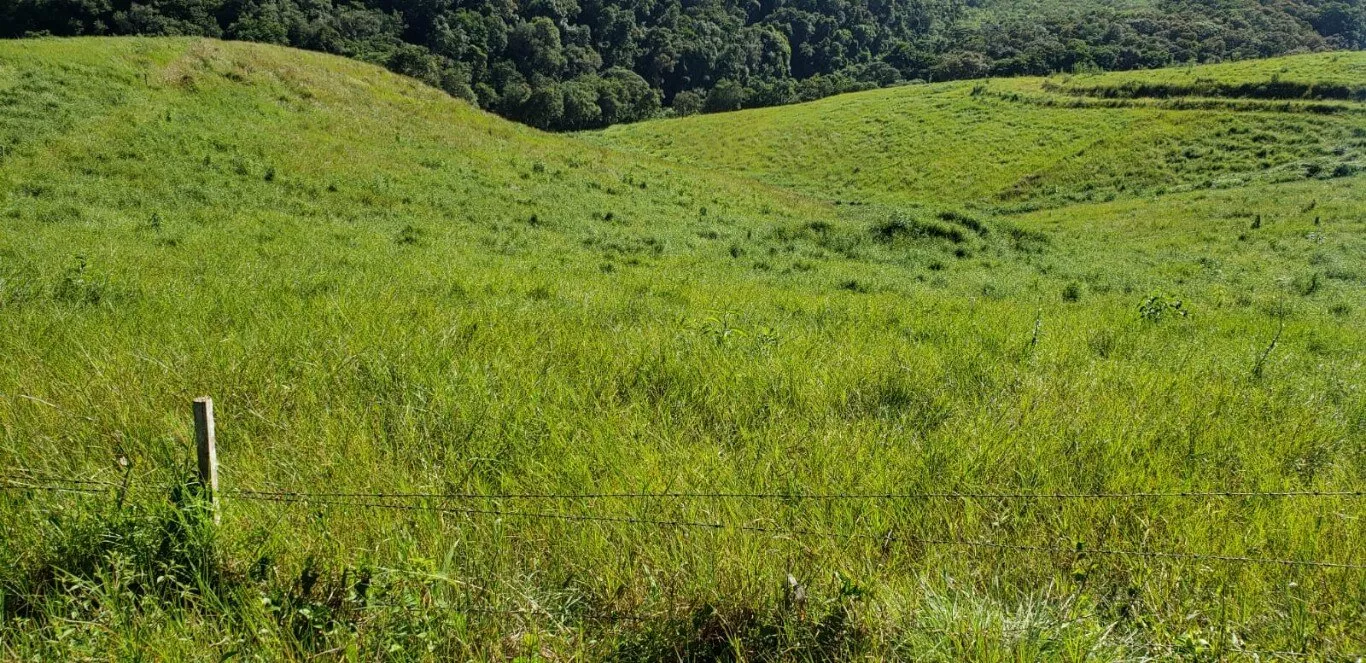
1071,292
1157,307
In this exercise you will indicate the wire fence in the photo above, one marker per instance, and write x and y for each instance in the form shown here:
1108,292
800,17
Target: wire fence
26,479
801,496
771,495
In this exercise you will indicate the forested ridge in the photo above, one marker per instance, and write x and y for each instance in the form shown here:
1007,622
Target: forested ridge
581,64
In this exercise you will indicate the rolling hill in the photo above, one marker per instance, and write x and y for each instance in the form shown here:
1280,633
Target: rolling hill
1027,142
928,372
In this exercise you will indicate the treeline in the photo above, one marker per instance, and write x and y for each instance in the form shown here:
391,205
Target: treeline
580,64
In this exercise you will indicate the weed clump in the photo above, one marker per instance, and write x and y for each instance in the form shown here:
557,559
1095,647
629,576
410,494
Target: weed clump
79,286
1306,286
897,227
409,235
166,552
897,397
1158,307
971,223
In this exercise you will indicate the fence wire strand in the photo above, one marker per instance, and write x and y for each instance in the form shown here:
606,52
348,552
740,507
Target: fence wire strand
31,475
801,496
26,479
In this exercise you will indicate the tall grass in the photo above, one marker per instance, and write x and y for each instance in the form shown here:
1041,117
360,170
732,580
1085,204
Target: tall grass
347,263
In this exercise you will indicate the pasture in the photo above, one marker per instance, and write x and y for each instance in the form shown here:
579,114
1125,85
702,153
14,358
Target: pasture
877,376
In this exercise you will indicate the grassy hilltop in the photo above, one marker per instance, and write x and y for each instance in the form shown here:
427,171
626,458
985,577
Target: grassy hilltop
1017,286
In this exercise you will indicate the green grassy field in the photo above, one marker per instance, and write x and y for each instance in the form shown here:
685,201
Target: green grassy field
1347,69
931,289
970,144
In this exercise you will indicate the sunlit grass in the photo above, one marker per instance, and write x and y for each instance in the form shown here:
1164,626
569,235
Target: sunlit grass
385,290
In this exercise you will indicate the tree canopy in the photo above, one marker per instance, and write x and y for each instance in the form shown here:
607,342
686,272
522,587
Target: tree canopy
581,64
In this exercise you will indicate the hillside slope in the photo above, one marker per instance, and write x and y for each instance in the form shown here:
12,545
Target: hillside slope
642,410
211,131
571,65
1008,144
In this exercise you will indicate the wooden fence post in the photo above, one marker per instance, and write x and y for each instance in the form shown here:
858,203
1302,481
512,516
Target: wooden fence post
204,449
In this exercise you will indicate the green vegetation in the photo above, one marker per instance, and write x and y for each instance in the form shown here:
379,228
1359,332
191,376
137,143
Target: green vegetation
1012,144
942,288
582,64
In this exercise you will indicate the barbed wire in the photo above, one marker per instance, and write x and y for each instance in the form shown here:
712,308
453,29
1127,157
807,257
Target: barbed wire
739,495
28,481
24,475
9,484
797,496
93,486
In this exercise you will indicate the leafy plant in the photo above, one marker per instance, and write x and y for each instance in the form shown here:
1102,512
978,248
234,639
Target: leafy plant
1158,307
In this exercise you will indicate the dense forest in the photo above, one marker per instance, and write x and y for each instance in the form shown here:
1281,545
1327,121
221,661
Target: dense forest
579,64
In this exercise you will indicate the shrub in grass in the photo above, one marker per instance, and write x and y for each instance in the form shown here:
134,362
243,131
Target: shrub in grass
1158,307
910,227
